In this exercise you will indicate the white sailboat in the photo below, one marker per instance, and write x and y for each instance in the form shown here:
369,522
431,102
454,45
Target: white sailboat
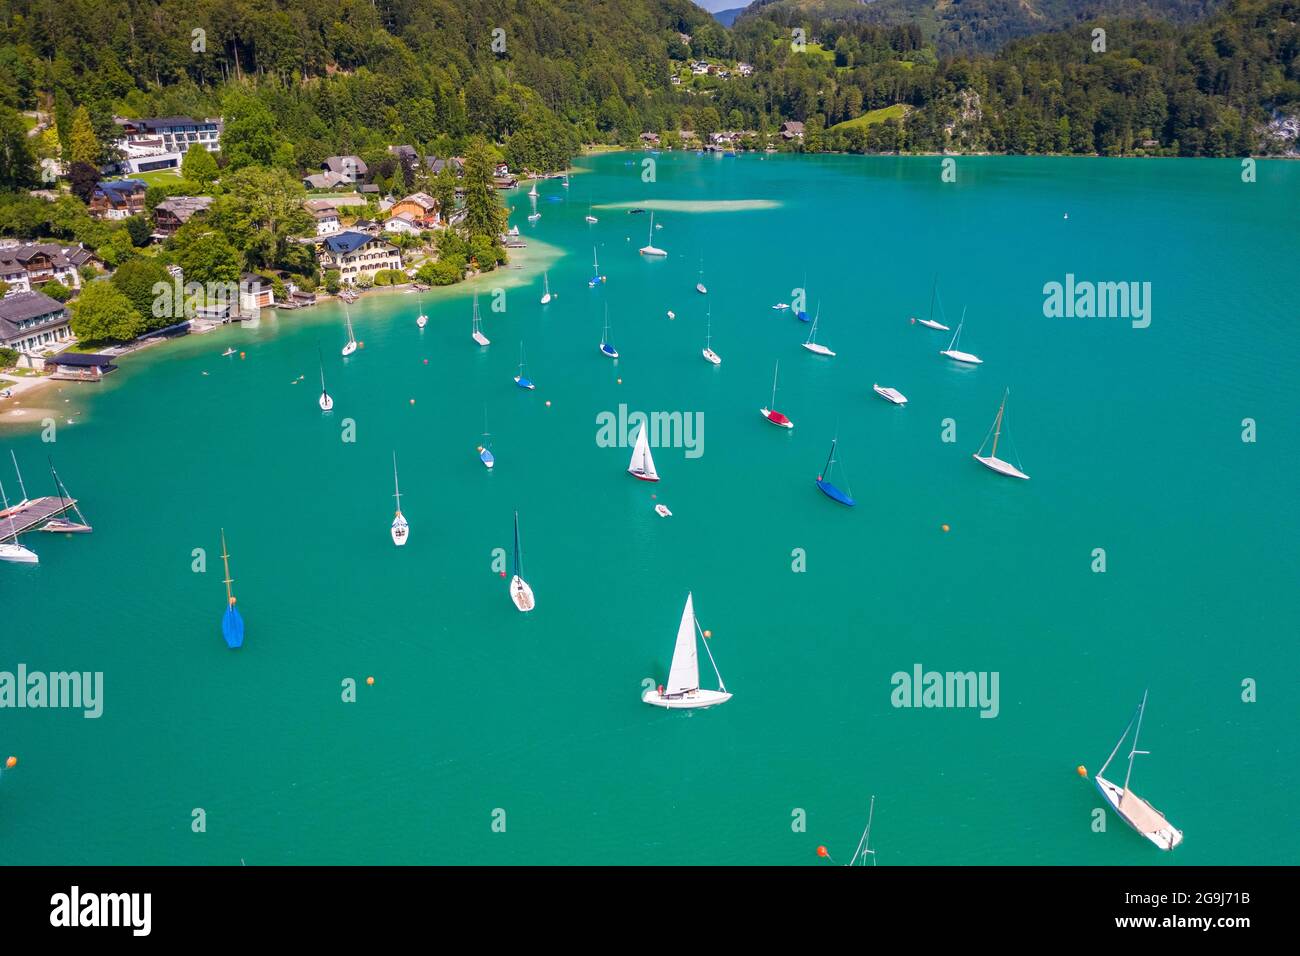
590,217
930,323
683,691
10,549
532,193
546,287
1132,809
401,529
565,184
478,336
770,413
421,320
710,355
811,345
520,592
61,525
352,339
650,249
700,287
954,353
864,845
642,464
890,394
326,403
992,461
606,348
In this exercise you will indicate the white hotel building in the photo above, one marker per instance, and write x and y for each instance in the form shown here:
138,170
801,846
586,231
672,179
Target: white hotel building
149,144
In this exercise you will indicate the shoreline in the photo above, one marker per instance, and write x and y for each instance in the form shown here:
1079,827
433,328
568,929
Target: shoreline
524,265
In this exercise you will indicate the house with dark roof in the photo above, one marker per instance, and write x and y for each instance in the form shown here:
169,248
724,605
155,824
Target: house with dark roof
356,254
352,168
792,130
32,322
27,265
162,142
118,199
170,214
79,366
326,180
326,215
437,165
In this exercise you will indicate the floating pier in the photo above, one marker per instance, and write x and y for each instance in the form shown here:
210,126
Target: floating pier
26,517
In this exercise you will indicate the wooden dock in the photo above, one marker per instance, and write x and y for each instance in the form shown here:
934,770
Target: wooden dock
37,511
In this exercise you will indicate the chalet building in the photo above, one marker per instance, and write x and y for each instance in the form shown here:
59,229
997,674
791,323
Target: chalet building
406,155
650,139
437,164
255,293
25,266
325,180
118,199
792,130
326,215
32,321
420,207
150,144
352,169
355,254
401,223
170,214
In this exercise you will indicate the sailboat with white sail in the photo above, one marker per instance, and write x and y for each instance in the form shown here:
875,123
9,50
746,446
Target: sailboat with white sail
930,323
522,379
352,339
824,480
682,690
596,278
532,193
642,464
1132,809
546,289
709,355
991,461
520,592
770,413
811,344
650,249
326,403
400,529
478,335
606,347
966,358
66,501
10,549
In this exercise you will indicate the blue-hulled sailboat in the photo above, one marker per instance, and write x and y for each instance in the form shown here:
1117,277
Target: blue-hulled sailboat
232,625
522,380
828,489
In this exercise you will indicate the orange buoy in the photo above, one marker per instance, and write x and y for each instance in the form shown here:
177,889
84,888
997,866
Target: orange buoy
945,528
370,681
1082,771
361,345
241,355
11,762
823,852
708,633
233,599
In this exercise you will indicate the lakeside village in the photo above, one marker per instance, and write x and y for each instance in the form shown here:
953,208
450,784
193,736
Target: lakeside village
168,217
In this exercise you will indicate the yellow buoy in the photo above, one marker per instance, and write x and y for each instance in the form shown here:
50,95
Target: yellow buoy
945,527
11,762
1082,771
370,681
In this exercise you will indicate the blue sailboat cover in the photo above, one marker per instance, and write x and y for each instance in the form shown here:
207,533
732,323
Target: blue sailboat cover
830,491
232,627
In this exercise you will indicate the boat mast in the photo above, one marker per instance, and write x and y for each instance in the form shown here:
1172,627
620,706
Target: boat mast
997,424
775,372
864,849
708,327
19,474
933,289
13,534
812,333
397,491
518,564
957,335
225,560
321,358
1134,752
829,459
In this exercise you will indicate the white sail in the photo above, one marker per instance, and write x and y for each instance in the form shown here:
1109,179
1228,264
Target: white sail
684,674
643,464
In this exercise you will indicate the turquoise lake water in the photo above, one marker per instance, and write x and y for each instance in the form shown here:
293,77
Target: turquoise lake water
1132,436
